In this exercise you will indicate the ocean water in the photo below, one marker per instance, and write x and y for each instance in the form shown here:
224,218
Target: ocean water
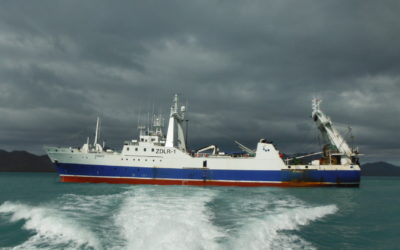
38,212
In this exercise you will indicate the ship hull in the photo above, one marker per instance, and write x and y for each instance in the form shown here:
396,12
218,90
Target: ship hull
83,173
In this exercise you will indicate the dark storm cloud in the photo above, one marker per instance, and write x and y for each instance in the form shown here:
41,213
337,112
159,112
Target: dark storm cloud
247,68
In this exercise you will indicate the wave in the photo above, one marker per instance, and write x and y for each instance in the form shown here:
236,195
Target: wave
52,229
273,230
153,217
150,219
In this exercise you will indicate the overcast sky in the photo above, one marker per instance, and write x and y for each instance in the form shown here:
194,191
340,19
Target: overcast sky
248,70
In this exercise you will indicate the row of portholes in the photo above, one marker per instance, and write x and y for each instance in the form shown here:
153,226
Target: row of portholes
133,159
144,149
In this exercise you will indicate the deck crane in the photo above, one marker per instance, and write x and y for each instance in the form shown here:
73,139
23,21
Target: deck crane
214,148
329,132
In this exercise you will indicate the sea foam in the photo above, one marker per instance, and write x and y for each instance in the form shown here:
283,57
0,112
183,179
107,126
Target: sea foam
52,229
275,230
153,217
170,219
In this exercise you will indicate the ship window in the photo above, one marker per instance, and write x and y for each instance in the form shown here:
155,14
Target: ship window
127,148
138,159
153,160
144,149
135,149
152,150
146,160
141,139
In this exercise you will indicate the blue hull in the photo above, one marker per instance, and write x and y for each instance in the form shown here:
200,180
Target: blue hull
205,176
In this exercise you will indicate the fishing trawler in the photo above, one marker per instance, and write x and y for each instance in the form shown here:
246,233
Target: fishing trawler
154,158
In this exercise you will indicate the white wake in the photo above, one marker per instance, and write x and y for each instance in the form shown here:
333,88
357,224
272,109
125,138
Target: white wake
277,229
153,217
52,229
168,219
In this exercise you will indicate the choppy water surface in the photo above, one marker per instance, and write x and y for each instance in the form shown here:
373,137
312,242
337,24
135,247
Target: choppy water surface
38,212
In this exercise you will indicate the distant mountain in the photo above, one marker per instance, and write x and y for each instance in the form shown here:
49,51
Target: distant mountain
22,161
380,169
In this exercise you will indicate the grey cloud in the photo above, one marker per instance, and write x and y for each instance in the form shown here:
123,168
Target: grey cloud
248,70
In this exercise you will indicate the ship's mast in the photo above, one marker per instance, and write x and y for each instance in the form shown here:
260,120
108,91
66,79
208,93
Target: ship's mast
96,146
158,124
329,132
175,134
97,132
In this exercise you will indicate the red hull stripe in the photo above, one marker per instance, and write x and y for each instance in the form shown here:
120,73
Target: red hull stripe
86,179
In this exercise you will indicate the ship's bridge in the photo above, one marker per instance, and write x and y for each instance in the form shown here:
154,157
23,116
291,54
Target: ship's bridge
148,140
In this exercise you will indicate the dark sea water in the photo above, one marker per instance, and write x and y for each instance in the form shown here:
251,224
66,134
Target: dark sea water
38,212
